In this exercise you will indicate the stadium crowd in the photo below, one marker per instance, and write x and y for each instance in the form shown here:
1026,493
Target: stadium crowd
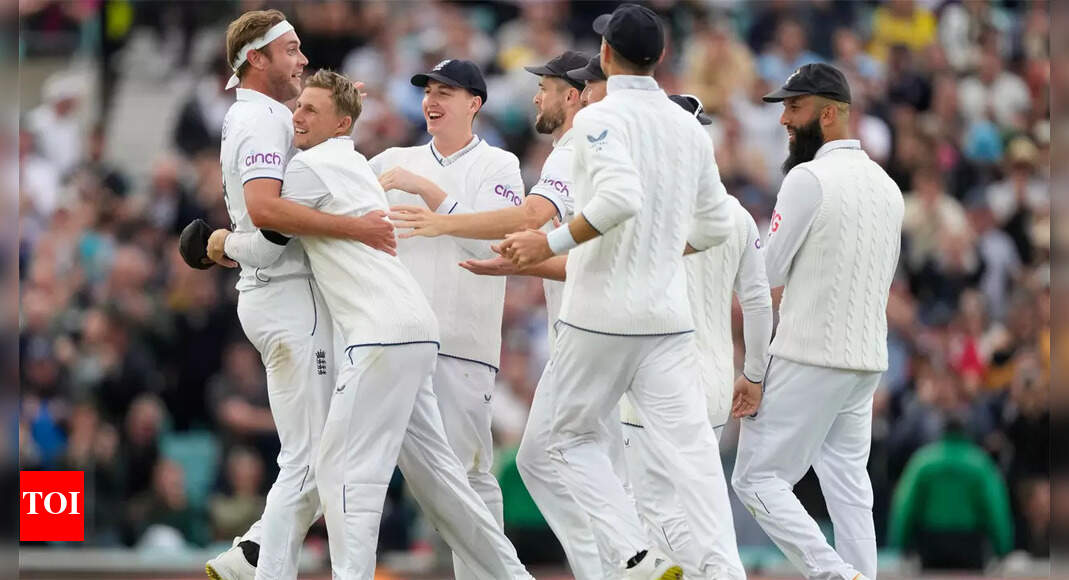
134,367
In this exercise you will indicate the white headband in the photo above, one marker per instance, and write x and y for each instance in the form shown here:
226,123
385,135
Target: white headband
272,33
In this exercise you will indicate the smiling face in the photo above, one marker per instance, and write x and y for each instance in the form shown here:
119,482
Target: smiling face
447,109
317,119
283,66
802,119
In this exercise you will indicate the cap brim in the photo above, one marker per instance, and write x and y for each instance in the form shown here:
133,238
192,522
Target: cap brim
780,94
601,23
542,71
582,74
704,119
422,79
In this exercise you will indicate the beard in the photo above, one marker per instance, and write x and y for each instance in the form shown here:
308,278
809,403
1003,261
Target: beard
807,140
549,121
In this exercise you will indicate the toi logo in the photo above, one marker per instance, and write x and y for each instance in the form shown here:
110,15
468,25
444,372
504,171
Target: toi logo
52,506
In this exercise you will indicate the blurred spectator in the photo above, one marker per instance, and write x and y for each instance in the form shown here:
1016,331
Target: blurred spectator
94,448
718,67
238,398
998,254
200,123
906,86
994,93
951,505
786,54
1021,197
55,123
901,22
241,502
963,26
862,71
39,180
165,505
139,447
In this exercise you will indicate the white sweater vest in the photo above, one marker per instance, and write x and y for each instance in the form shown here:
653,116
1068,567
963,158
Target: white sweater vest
834,308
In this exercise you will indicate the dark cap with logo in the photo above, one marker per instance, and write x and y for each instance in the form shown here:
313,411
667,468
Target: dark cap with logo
633,31
463,74
591,72
559,67
813,79
692,105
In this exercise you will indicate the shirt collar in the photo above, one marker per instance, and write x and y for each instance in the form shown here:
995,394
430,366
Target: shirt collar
640,82
335,142
564,139
445,161
256,96
838,144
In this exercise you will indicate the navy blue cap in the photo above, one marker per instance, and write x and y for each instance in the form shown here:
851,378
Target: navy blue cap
558,67
455,73
692,105
591,72
633,31
813,79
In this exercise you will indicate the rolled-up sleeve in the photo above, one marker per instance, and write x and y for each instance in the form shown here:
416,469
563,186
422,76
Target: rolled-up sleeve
617,188
796,207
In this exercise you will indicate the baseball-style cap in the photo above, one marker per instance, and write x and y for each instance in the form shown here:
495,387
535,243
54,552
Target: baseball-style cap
813,79
633,31
692,105
591,72
559,66
463,74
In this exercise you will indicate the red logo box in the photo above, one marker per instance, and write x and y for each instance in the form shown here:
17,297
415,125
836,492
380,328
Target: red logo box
52,506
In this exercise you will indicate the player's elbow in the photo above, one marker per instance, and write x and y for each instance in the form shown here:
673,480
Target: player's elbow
261,215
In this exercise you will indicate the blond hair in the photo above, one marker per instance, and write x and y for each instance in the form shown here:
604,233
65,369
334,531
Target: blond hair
248,27
342,91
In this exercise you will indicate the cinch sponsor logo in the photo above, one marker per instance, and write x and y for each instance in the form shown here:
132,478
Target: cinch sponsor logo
507,193
52,506
263,159
557,184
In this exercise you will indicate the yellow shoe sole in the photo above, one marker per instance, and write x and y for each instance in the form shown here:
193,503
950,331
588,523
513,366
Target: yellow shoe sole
212,573
673,573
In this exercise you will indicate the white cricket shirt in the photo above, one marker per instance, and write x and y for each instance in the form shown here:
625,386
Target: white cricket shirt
372,297
257,144
477,178
555,184
645,178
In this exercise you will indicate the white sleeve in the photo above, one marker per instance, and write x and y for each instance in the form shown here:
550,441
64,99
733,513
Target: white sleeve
617,188
751,286
713,220
501,188
256,249
555,183
261,150
378,163
796,206
303,186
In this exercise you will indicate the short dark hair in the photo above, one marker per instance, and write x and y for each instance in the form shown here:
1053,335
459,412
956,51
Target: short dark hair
631,66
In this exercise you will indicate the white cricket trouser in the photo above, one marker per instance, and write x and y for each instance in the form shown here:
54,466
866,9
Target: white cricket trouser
288,322
464,389
655,498
565,517
384,413
819,417
591,372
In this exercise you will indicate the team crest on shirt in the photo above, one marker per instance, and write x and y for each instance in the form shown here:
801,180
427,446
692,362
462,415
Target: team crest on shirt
321,362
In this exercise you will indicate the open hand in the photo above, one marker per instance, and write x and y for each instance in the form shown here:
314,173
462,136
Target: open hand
746,398
217,248
374,230
419,221
496,266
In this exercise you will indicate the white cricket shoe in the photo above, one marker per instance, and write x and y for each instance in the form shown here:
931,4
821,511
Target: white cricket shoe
231,565
655,565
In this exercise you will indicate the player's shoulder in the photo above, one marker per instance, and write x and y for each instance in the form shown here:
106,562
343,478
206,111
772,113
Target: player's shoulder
393,154
497,158
743,218
256,117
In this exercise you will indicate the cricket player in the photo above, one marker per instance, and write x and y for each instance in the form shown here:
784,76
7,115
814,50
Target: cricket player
833,246
279,305
644,192
557,101
457,172
383,411
735,266
594,81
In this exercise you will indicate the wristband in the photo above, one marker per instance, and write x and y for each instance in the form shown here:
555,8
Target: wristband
561,240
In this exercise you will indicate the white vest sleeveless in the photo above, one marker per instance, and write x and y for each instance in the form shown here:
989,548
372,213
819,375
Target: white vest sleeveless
834,308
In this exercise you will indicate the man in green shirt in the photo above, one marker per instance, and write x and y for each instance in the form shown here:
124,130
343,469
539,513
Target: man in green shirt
951,505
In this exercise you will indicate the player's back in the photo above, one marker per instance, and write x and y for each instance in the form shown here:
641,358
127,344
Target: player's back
631,279
257,143
371,295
